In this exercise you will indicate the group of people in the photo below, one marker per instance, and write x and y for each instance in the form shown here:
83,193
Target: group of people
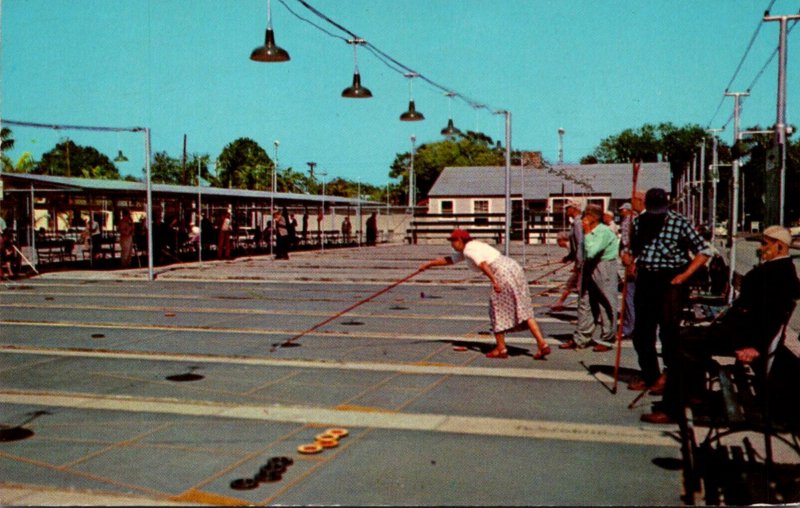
371,226
653,257
10,259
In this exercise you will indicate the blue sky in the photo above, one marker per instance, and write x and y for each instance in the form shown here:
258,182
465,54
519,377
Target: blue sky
592,67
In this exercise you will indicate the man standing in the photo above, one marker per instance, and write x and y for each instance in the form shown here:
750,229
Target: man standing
574,208
125,238
347,229
661,244
372,229
599,289
629,211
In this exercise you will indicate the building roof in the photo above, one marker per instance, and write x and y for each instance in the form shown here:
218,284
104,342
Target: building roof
124,186
538,184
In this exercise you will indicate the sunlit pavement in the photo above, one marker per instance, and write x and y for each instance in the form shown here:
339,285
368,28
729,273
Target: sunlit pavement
142,392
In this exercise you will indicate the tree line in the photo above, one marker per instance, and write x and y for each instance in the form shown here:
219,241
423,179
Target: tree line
244,164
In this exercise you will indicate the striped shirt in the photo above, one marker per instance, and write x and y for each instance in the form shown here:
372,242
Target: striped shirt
670,249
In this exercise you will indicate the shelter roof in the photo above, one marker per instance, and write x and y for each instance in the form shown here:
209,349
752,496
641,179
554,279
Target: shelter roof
608,179
40,182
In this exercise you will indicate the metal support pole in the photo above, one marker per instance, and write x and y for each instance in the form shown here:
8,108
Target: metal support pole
507,229
690,187
199,217
150,275
780,123
714,176
702,183
411,177
272,197
734,213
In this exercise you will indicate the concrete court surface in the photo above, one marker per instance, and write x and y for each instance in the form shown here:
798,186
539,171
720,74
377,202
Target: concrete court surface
86,357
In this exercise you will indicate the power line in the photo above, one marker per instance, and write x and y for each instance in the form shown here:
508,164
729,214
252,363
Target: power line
761,71
758,74
383,57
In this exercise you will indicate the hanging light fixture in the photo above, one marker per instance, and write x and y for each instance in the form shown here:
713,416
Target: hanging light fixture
356,91
269,52
120,157
412,115
450,131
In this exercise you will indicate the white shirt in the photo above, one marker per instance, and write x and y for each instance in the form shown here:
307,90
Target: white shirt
476,252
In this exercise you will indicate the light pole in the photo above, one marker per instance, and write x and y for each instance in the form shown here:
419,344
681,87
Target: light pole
321,217
561,145
714,175
411,183
702,182
199,217
272,197
780,122
734,213
507,229
359,211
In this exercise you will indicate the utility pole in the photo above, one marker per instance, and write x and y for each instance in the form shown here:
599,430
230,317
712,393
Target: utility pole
702,182
411,183
714,175
780,128
734,208
311,171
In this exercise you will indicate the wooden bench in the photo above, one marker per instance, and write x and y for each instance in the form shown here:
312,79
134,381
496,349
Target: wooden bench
52,250
740,403
484,233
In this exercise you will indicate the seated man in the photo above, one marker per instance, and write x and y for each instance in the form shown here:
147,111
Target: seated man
743,330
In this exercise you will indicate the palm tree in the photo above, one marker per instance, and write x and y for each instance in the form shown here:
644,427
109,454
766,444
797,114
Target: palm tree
7,141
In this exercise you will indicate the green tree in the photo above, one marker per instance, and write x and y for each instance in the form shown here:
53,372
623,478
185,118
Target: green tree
6,141
171,170
469,149
70,159
25,164
651,143
243,164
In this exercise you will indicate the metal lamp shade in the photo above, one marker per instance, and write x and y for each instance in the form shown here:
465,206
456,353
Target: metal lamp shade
356,91
450,130
269,52
412,115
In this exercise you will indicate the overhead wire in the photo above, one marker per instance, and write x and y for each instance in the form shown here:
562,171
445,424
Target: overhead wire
758,74
382,56
739,67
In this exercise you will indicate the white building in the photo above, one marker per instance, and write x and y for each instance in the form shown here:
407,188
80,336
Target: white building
474,197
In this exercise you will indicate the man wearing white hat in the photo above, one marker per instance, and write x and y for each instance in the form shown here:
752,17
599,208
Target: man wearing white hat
745,329
574,210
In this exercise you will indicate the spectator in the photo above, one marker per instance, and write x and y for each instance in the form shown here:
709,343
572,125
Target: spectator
225,244
347,229
662,243
372,228
10,260
629,212
608,220
305,225
281,235
95,236
744,330
125,229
